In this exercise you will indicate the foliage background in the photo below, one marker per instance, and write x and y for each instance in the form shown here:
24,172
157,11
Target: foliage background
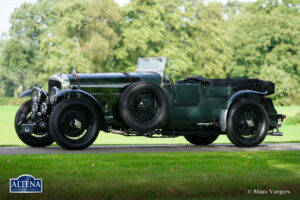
248,40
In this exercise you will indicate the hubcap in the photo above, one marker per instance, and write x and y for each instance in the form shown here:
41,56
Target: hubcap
77,124
250,123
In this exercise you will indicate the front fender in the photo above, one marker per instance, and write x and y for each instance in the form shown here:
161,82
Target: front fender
62,93
26,93
92,98
224,112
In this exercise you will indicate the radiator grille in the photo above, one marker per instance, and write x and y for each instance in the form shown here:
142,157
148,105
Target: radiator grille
53,83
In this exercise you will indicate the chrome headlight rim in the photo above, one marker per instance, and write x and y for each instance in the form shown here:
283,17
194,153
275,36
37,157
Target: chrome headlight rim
44,108
37,95
34,107
53,91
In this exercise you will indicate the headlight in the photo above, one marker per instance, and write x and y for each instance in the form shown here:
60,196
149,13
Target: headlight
53,91
34,107
37,95
44,108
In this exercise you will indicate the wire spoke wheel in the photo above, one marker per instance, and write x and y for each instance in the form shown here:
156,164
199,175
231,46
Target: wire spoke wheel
40,137
144,106
74,123
247,122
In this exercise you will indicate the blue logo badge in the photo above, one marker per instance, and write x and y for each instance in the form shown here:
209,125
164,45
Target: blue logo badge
25,184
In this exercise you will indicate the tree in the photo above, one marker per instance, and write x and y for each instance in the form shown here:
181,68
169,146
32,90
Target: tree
83,37
250,40
52,34
151,28
191,33
266,40
21,60
212,37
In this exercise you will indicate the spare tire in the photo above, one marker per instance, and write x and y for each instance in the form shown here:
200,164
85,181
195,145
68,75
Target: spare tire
144,106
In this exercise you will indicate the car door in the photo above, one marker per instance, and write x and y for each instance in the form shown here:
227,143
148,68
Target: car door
186,94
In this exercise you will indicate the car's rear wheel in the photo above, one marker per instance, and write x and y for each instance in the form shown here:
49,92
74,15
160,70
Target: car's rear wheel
144,106
37,139
247,123
74,123
207,136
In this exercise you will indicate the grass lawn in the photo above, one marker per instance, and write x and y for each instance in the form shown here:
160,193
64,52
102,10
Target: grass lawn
9,137
156,175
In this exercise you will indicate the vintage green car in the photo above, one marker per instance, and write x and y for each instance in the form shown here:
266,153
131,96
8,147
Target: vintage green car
147,103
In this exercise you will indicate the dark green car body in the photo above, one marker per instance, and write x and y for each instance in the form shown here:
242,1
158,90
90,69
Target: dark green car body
190,106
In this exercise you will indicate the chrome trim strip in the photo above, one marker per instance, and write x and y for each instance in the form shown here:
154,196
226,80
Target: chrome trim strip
103,85
205,124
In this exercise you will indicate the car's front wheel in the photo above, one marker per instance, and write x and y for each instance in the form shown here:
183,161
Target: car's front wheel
74,123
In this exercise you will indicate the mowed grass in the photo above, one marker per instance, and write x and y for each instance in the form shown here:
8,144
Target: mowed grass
9,137
156,175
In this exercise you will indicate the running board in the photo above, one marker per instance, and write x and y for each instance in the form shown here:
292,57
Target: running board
205,124
275,134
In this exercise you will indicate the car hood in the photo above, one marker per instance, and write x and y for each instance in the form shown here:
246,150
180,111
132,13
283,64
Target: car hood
111,79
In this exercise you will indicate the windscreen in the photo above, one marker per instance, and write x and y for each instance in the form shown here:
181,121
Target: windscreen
156,64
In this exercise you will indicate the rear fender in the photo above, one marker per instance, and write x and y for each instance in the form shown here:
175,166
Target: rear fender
231,100
87,95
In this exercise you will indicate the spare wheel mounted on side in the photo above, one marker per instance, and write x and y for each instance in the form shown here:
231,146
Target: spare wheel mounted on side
144,106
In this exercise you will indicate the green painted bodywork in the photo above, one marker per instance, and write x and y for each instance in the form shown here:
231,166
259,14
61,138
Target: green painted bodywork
107,89
188,103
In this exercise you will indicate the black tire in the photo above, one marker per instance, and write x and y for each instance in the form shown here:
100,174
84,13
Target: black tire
144,106
247,123
211,134
62,123
33,140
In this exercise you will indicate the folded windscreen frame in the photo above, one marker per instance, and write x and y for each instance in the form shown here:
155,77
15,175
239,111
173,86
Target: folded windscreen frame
152,64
